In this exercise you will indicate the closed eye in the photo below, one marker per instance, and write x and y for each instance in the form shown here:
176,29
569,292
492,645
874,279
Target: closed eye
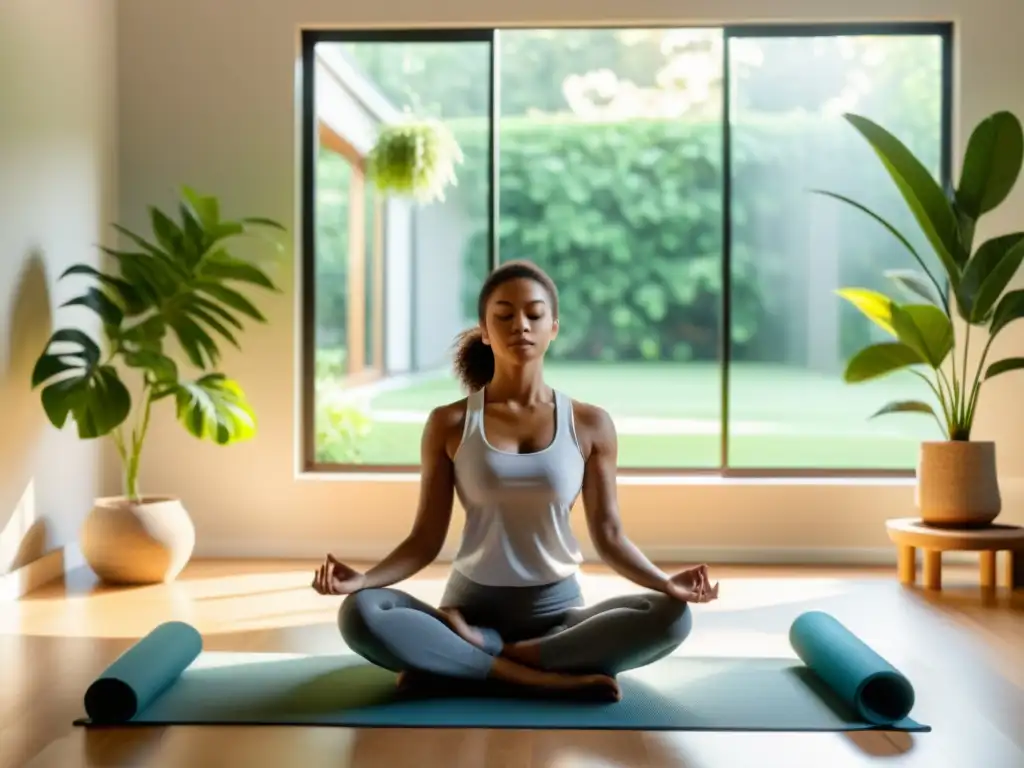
506,318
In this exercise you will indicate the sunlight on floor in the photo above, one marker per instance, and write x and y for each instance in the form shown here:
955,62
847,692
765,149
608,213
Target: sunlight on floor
732,644
736,594
249,612
283,599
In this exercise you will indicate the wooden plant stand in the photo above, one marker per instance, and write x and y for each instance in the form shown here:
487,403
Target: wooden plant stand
910,534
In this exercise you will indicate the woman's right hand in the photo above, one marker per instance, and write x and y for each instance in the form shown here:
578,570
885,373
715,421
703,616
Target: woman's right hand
336,578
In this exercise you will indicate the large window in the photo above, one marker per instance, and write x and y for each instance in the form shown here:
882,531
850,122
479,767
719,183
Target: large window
663,178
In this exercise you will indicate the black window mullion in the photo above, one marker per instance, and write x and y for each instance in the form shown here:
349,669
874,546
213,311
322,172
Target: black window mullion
494,155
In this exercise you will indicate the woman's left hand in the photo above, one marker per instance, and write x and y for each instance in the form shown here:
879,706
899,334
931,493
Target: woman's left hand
692,586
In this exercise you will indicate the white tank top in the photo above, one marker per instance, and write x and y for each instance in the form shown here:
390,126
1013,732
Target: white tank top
517,505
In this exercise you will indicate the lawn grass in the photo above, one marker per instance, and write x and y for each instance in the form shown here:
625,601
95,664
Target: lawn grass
398,444
781,417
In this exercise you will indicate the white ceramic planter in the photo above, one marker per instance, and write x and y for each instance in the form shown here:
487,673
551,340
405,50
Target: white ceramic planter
957,483
145,542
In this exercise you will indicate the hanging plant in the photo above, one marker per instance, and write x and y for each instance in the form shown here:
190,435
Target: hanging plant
415,159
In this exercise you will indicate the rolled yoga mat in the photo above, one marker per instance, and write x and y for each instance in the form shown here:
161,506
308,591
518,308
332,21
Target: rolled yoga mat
862,679
142,673
842,685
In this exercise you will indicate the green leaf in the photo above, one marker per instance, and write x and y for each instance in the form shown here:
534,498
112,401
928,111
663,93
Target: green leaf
910,406
926,329
231,297
876,306
921,192
206,208
215,408
879,360
1009,308
163,368
982,265
168,234
198,313
895,233
914,284
96,400
992,164
193,232
905,406
51,363
200,347
147,334
176,269
1004,366
48,366
134,300
995,283
150,276
264,222
216,309
90,393
224,230
220,265
965,223
101,304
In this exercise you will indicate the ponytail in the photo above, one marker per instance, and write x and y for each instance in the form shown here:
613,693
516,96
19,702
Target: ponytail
474,360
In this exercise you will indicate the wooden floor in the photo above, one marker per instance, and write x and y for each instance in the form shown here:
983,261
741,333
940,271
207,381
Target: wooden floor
963,649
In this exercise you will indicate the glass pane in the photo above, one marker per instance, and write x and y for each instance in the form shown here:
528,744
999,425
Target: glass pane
333,182
791,334
374,269
413,262
611,182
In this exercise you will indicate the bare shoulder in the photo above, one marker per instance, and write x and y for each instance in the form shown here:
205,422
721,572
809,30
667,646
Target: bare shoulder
595,429
445,424
449,415
591,417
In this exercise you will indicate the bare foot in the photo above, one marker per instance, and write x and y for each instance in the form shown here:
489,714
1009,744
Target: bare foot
417,682
598,687
514,679
590,687
461,627
404,682
526,652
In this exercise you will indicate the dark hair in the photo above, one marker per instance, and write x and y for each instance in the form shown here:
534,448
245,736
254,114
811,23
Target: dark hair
474,360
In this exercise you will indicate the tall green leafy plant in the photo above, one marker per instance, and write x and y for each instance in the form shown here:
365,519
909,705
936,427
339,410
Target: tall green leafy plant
922,328
181,283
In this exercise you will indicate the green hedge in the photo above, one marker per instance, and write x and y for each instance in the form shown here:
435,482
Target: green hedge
627,219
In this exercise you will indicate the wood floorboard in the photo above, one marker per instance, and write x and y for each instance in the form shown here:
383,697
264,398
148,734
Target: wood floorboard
963,649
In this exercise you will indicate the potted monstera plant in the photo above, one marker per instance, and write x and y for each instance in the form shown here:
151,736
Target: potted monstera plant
414,158
178,285
944,328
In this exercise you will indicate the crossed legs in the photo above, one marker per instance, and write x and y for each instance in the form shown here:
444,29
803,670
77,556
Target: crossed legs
585,648
609,637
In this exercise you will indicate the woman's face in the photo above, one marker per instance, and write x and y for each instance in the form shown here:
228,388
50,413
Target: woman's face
519,323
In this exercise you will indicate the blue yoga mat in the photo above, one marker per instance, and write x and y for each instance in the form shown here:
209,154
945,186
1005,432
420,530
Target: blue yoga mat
837,684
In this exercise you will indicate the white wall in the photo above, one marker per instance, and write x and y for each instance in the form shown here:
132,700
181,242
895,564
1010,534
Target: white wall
441,232
209,97
57,195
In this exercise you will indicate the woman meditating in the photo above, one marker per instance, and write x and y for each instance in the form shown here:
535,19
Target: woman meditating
518,454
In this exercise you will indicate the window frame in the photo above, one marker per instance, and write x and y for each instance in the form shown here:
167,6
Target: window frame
944,30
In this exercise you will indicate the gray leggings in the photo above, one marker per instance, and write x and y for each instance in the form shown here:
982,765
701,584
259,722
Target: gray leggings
396,631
